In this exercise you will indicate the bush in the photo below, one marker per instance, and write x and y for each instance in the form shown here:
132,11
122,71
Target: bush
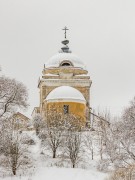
104,165
123,174
42,135
28,140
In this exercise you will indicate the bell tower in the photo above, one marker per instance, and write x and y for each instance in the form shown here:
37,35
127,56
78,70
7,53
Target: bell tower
64,69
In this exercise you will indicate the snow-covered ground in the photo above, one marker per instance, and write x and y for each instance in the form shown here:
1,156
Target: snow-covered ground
46,168
50,173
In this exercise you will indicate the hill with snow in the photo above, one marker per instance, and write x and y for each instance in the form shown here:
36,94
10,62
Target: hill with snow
45,167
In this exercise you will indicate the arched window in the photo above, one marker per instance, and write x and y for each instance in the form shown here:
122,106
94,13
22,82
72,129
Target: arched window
66,63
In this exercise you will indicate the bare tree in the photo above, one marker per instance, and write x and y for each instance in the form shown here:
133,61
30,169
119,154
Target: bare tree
73,147
120,146
118,140
38,123
13,95
126,135
108,145
15,153
54,132
101,129
89,143
57,124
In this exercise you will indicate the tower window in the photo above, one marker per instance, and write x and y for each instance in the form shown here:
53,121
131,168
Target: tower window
66,109
65,64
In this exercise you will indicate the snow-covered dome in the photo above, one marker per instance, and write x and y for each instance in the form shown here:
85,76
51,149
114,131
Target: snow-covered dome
65,92
56,60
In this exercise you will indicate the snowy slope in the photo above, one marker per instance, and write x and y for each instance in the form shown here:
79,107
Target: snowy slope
61,174
45,168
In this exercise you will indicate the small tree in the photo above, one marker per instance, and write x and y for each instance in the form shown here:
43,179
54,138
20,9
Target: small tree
120,146
89,143
101,126
13,95
57,125
38,123
14,151
54,132
73,146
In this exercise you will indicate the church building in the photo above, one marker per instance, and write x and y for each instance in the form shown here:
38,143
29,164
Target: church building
65,85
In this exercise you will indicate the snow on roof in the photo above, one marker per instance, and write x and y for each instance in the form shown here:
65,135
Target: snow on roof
55,60
65,92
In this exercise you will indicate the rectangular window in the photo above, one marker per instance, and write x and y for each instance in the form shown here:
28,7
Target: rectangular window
66,109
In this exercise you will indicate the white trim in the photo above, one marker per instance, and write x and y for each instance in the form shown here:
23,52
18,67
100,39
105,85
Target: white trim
67,82
65,100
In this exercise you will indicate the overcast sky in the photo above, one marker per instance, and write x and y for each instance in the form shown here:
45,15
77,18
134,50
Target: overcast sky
102,34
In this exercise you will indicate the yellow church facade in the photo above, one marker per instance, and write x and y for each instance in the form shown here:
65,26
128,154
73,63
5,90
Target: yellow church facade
65,85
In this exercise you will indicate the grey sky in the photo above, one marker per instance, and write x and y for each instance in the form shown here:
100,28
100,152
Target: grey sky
102,33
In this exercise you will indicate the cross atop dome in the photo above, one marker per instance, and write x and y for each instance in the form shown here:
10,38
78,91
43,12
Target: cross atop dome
65,29
65,42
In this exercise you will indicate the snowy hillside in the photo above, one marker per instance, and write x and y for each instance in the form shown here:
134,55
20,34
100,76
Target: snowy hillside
61,174
45,167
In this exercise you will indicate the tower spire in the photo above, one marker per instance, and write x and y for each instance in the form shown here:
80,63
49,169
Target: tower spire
65,42
65,29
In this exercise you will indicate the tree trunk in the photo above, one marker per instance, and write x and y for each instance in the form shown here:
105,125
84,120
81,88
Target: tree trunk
37,131
73,165
92,154
54,154
14,171
14,167
101,149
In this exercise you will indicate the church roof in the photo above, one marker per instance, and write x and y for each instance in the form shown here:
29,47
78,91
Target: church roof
65,93
56,60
